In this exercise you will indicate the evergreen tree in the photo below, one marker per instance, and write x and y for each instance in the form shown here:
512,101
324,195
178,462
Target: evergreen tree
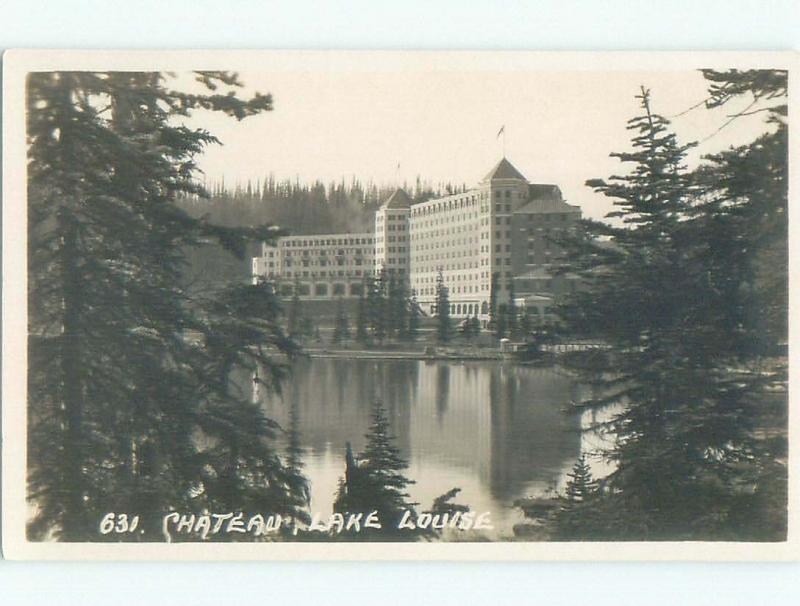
414,313
501,322
362,321
376,306
294,317
401,305
493,299
131,407
661,295
524,325
374,481
476,326
341,332
577,518
580,486
307,328
743,220
745,211
511,312
443,327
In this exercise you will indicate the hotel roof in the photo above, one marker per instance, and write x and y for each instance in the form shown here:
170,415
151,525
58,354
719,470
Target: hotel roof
546,199
504,170
399,199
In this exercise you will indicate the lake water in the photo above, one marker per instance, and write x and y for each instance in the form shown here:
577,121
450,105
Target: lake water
497,431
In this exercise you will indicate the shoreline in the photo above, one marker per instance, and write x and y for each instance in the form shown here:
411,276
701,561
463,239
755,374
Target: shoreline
384,354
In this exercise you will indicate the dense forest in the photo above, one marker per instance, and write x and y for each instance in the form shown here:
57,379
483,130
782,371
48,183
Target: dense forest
303,208
299,208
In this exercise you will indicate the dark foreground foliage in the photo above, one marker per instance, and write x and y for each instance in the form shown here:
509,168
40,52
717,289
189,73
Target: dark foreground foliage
130,404
687,289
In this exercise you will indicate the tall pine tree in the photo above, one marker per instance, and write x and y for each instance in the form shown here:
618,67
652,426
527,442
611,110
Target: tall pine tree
130,403
667,312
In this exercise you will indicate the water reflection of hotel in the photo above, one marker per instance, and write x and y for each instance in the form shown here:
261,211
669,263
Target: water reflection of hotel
502,425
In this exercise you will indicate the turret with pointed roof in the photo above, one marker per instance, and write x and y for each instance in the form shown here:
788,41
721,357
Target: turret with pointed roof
391,248
399,199
504,170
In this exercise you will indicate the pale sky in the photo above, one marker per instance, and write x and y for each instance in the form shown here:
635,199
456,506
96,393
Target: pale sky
442,125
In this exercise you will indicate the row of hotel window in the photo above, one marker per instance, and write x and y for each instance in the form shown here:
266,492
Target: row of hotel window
320,262
531,232
379,239
324,253
295,243
460,309
467,201
322,274
434,267
391,217
322,289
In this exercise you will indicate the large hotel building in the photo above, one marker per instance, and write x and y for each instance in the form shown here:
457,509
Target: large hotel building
500,231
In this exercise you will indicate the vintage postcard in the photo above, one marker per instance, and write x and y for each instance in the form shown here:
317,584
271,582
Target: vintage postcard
397,305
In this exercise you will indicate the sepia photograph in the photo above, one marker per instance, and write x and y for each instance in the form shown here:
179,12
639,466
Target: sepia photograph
333,301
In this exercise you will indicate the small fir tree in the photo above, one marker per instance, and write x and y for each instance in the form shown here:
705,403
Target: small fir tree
443,327
341,332
375,481
501,323
414,313
511,312
362,315
581,486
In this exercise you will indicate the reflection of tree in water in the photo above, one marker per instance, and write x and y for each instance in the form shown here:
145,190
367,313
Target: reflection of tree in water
395,384
531,437
294,448
442,390
503,425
